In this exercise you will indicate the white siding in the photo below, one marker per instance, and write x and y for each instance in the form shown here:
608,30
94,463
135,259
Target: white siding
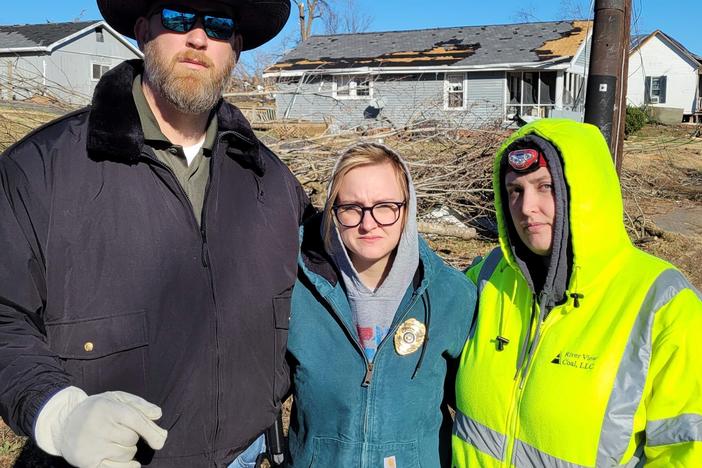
582,61
656,58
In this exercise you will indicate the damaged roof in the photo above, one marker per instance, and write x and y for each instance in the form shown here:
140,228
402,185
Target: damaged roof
459,46
38,35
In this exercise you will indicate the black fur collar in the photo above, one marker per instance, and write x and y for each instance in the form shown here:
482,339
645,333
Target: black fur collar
115,133
314,255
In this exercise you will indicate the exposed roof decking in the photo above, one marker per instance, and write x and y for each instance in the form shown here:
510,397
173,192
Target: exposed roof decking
460,46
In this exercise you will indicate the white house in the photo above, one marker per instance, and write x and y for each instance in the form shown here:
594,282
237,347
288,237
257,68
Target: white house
59,60
663,73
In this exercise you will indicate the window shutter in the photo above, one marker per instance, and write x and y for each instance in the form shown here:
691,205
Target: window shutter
647,91
663,81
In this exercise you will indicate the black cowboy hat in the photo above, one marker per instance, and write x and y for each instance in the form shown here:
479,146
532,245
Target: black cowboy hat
258,21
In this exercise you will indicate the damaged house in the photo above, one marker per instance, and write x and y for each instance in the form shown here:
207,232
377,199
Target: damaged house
471,76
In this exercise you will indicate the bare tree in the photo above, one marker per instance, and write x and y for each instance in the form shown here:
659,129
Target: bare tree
331,22
352,19
338,16
575,9
526,14
251,68
309,11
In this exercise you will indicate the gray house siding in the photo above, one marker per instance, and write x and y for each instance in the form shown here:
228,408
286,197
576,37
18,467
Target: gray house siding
406,99
20,75
486,96
410,99
65,73
70,66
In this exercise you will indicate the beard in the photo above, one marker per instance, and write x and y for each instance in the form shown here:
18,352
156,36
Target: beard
190,91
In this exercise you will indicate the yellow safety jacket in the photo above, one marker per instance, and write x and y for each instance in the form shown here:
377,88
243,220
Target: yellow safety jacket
615,376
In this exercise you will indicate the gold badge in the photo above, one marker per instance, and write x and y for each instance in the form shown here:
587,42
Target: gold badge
409,337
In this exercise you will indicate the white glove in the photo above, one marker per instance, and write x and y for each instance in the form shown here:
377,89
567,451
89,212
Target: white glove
100,431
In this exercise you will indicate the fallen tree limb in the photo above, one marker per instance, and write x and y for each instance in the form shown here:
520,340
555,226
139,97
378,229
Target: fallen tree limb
446,230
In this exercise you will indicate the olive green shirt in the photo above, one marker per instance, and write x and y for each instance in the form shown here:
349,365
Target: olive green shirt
192,178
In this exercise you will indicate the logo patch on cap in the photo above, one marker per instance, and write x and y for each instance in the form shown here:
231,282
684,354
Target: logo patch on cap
524,159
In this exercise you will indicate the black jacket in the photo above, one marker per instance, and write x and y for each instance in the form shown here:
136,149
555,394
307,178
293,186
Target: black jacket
108,283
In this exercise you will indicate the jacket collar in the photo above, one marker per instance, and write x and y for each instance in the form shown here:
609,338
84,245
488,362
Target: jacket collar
115,133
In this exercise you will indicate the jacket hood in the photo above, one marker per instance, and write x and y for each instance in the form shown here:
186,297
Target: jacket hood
115,133
407,253
374,309
317,266
595,208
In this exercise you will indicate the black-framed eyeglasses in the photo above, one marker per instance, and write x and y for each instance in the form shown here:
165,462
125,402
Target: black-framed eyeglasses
384,213
181,20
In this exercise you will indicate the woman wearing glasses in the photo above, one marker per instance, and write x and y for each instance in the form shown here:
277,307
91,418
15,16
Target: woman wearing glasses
377,320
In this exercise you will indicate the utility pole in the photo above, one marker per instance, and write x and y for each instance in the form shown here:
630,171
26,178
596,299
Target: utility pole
605,102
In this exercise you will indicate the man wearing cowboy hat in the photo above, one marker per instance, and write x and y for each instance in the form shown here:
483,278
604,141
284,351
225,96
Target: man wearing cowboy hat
149,247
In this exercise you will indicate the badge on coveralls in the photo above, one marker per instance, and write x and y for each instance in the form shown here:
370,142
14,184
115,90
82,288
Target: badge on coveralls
409,337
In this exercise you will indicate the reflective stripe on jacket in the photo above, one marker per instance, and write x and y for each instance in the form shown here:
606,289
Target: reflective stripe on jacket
613,378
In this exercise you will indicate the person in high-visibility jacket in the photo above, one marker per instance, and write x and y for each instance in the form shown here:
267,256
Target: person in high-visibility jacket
585,351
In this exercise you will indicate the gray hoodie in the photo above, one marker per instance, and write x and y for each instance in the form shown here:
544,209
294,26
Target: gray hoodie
373,311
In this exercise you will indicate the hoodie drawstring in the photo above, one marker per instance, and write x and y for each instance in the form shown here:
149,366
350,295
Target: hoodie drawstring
575,294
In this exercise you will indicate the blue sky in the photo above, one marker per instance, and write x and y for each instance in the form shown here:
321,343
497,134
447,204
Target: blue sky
678,18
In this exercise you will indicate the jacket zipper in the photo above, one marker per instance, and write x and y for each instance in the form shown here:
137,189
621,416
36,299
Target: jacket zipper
207,265
513,413
518,391
205,259
368,377
369,368
369,373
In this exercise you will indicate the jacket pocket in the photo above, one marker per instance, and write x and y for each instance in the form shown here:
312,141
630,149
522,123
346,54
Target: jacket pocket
105,353
334,452
281,317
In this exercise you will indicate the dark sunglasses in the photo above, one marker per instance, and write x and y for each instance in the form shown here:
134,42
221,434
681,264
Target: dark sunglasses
220,28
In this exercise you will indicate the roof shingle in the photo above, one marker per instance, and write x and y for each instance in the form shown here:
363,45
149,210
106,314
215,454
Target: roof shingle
469,45
38,35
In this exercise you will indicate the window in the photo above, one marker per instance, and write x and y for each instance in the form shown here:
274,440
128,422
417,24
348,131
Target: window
352,87
655,90
455,96
98,70
531,93
99,35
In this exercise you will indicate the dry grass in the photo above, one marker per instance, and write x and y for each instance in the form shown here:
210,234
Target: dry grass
10,446
662,174
18,119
